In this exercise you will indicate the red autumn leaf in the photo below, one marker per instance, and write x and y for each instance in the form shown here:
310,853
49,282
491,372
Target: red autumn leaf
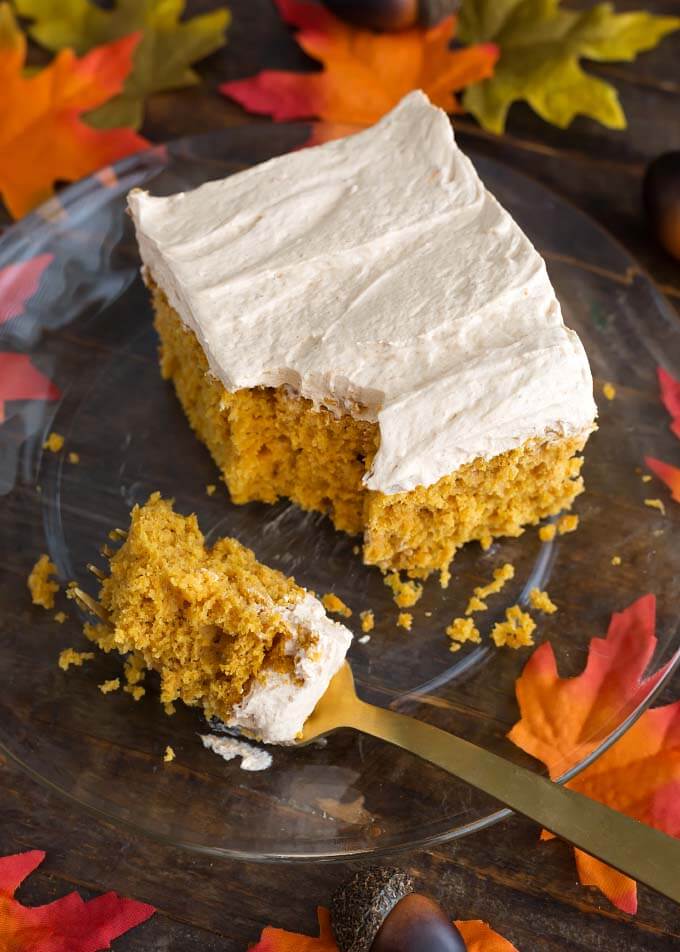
365,73
670,475
42,136
564,719
20,380
18,283
67,925
670,395
478,938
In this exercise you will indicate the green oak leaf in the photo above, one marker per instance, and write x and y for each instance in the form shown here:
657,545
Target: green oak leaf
162,60
541,45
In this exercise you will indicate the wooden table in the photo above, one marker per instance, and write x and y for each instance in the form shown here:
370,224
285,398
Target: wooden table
528,892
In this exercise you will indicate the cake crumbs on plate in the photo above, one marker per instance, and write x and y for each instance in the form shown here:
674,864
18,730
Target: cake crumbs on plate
134,669
500,577
108,686
406,593
542,602
547,533
646,478
211,489
656,504
367,620
54,442
60,617
169,708
69,656
609,391
332,603
364,640
475,605
616,560
42,588
136,690
356,550
169,755
515,631
73,458
462,630
568,523
405,620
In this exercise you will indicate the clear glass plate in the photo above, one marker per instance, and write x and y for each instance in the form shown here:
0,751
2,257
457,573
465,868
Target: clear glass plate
89,328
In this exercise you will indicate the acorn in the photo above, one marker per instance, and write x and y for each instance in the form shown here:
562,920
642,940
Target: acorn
661,196
378,910
389,15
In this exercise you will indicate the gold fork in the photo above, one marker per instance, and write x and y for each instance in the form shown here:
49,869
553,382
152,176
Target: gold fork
631,847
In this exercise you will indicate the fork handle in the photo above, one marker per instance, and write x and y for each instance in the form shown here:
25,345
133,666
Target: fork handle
629,846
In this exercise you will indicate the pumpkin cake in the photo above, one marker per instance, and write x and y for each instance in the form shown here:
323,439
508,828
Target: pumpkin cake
222,630
361,328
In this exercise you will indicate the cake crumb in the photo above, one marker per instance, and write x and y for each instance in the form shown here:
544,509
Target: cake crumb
500,577
444,578
41,587
69,656
406,594
547,533
367,620
567,523
211,489
405,620
73,458
134,669
169,708
616,560
108,686
169,755
60,617
334,604
364,640
486,541
54,442
475,605
609,390
656,504
136,690
355,550
515,631
461,630
542,602
646,478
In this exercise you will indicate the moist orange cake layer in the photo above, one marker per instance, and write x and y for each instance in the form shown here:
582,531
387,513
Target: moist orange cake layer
269,443
206,619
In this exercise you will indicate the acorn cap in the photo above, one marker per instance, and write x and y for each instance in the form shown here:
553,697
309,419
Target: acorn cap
360,906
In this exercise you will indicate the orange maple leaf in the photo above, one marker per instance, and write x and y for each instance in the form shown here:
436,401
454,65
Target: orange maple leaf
564,719
20,380
67,925
18,283
477,934
670,475
479,937
42,136
365,73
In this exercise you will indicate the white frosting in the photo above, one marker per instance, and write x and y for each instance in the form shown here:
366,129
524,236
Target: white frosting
252,758
377,270
275,708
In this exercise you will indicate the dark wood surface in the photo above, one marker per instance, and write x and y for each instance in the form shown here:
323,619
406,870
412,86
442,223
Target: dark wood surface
528,892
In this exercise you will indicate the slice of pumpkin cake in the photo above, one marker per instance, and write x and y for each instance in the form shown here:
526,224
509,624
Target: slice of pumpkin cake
362,328
223,631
